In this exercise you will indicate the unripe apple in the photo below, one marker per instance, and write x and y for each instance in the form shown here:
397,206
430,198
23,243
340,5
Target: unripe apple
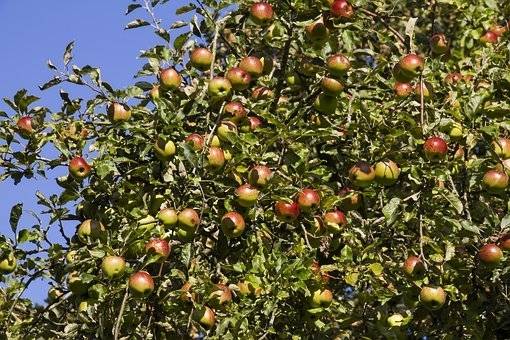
113,266
495,180
261,13
219,88
395,320
456,131
489,38
71,256
215,141
8,263
260,175
24,126
141,284
79,168
76,284
235,110
433,297
154,93
427,90
189,219
411,65
205,316
261,93
435,148
335,220
226,129
91,230
196,141
350,200
239,78
215,157
309,199
325,103
331,86
386,172
502,147
118,112
490,254
403,89
341,9
252,65
164,149
362,174
287,212
232,224
159,247
439,43
247,195
338,64
201,58
168,217
317,32
293,79
169,79
220,296
322,298
413,266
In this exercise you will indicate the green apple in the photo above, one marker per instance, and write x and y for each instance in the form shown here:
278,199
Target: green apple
219,88
433,297
205,316
322,298
113,266
90,230
164,149
8,263
386,172
168,217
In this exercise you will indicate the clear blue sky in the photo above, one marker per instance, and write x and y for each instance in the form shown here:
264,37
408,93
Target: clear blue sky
34,31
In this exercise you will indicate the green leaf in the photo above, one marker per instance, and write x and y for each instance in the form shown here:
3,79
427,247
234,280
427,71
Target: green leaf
68,53
390,210
15,215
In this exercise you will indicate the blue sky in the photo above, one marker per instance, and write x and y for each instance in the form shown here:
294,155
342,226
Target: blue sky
35,31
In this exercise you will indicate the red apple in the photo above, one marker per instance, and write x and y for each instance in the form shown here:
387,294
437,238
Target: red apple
403,89
118,112
239,78
502,147
232,224
489,38
490,254
247,195
196,141
498,30
495,180
201,58
79,168
287,212
235,110
338,64
362,174
159,247
331,86
141,284
322,298
169,79
260,175
261,93
335,220
215,157
411,65
435,148
341,9
504,243
24,125
439,43
261,13
205,316
413,266
308,199
433,297
189,219
255,123
252,65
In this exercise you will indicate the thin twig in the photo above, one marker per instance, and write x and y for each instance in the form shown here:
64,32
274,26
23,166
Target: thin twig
391,29
422,106
121,311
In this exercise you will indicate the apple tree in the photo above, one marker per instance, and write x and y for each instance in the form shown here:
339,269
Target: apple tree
290,169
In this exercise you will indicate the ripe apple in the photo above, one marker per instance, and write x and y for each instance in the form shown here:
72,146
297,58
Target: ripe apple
338,64
433,297
439,43
350,200
76,284
159,247
362,174
226,130
141,284
216,157
232,224
498,30
235,110
252,65
220,296
261,13
287,212
261,93
79,168
189,219
196,140
317,33
260,175
205,316
490,254
489,38
169,79
8,263
386,172
91,230
325,103
495,180
413,266
255,123
118,112
164,149
219,88
335,220
403,89
435,148
341,9
322,298
154,93
331,86
502,147
113,266
309,199
201,58
168,217
504,243
239,78
411,65
24,125
247,195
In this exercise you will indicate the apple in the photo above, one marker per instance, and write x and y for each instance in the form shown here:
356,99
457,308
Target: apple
335,220
427,90
232,224
255,123
322,298
456,131
395,320
341,9
453,78
247,195
411,65
8,263
196,140
261,13
164,149
154,93
325,103
260,175
91,230
226,130
413,266
386,172
489,38
235,110
159,247
79,168
490,254
350,200
293,79
24,126
71,256
308,199
113,266
495,180
201,58
498,30
216,157
362,174
205,316
504,243
227,154
331,86
168,217
169,79
141,284
286,211
252,65
239,78
338,64
502,147
317,33
76,284
403,89
439,43
189,219
261,93
215,141
219,88
433,297
435,148
118,112
220,296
